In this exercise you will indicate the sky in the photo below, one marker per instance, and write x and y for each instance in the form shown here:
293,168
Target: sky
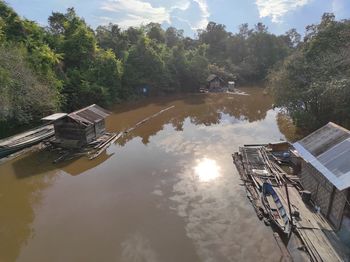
189,15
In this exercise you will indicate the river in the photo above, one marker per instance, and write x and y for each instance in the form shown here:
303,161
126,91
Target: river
166,192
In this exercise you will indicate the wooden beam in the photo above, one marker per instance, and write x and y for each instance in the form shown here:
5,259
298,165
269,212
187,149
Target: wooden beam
330,205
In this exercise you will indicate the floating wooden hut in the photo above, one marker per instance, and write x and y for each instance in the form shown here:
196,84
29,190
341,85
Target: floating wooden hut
78,128
325,172
215,83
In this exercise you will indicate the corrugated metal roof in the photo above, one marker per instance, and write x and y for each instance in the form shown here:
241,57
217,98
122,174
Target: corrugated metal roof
89,115
54,117
212,77
328,150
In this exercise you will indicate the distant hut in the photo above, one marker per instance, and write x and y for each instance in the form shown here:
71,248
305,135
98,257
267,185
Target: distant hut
215,83
325,172
79,128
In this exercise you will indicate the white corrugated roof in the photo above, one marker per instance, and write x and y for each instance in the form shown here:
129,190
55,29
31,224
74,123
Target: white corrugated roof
54,117
328,150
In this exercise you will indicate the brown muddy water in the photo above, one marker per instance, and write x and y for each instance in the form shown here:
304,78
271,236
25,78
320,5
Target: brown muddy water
166,192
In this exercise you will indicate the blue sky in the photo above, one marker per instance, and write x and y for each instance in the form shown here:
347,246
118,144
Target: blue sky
190,15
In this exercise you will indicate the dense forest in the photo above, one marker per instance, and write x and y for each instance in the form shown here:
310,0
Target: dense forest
67,65
313,83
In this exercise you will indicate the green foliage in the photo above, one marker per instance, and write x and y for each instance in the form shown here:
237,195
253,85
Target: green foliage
145,66
314,82
249,54
155,32
80,66
24,96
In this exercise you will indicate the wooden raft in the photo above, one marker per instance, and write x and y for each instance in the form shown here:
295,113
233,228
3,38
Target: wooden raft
97,147
317,235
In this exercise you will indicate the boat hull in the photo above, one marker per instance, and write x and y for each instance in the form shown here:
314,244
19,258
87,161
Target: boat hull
276,211
8,150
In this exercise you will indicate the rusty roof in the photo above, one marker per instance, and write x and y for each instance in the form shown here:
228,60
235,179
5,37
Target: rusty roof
89,115
328,150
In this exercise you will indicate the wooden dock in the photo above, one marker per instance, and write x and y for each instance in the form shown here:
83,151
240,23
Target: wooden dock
318,237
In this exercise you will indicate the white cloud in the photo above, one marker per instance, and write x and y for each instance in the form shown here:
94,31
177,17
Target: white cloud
276,9
182,5
128,13
136,12
203,22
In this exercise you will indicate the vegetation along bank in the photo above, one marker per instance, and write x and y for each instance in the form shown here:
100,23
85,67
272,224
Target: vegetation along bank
67,65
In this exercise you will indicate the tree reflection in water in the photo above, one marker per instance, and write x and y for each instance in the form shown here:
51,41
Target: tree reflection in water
201,109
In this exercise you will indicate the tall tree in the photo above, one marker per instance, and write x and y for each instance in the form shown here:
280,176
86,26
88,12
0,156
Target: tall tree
314,82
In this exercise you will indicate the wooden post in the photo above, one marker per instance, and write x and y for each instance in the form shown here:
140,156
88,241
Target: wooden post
330,205
289,206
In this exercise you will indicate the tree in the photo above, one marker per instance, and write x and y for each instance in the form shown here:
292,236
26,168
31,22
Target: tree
155,32
244,31
261,28
112,37
144,66
173,37
80,66
292,38
24,97
314,82
215,36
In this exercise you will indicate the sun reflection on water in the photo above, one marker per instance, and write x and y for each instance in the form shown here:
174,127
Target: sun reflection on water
207,170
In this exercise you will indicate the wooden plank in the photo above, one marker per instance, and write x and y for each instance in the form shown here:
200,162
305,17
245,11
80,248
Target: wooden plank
149,118
105,145
286,257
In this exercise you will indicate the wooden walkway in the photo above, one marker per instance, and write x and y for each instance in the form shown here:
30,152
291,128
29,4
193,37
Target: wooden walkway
316,234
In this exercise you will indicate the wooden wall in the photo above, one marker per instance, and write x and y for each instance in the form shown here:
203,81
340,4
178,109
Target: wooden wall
330,200
72,134
337,209
215,84
100,128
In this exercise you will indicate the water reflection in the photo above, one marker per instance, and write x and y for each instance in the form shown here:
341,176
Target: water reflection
207,170
20,194
41,162
148,198
201,109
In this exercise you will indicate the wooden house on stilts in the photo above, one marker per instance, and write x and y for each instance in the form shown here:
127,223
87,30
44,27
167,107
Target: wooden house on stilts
78,128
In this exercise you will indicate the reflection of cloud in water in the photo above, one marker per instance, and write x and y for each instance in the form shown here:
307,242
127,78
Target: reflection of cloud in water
196,139
136,248
157,192
219,220
208,215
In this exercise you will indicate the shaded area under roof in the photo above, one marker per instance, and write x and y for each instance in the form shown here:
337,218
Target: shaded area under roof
328,150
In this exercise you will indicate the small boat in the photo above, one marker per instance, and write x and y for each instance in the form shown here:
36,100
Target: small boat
275,209
20,141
